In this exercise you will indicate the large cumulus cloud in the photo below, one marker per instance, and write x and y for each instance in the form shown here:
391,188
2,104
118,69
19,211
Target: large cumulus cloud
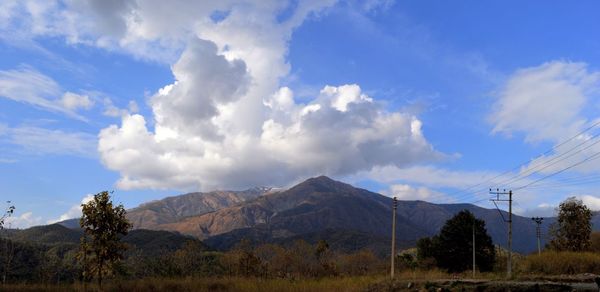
225,121
296,140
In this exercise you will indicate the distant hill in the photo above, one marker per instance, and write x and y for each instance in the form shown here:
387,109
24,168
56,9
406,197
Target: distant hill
149,242
47,234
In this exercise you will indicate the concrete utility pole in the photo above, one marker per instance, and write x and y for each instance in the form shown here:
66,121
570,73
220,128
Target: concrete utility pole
473,249
538,231
395,206
509,221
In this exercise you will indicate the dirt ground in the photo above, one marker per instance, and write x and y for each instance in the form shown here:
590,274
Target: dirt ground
585,282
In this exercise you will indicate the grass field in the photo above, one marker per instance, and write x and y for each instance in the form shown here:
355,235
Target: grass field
550,271
362,283
215,284
416,280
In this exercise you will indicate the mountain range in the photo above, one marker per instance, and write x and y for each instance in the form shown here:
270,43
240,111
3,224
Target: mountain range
319,208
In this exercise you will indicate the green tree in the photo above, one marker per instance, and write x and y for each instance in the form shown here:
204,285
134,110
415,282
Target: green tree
573,228
425,248
452,249
103,225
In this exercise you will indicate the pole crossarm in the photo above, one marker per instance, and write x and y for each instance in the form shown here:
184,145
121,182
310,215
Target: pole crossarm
538,231
501,197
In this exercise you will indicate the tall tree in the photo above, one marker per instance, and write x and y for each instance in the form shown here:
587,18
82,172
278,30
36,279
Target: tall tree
573,228
103,225
7,213
8,247
452,249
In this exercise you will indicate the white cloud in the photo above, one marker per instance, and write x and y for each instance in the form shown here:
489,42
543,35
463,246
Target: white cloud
552,102
153,30
541,210
550,209
35,140
344,95
545,102
29,86
431,176
25,220
593,202
73,101
204,80
408,192
111,110
74,211
290,146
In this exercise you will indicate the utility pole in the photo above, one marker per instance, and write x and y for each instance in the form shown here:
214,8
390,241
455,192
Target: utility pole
473,249
395,206
538,231
499,193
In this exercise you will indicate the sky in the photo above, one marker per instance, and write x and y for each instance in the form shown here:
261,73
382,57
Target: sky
429,100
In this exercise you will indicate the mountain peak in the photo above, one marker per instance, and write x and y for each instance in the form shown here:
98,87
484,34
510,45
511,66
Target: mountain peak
322,178
323,184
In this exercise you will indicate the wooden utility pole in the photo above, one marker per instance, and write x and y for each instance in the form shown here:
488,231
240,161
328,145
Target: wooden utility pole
509,273
395,206
538,231
473,249
509,221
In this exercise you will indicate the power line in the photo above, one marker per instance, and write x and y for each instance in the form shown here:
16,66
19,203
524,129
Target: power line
465,192
548,164
595,156
564,184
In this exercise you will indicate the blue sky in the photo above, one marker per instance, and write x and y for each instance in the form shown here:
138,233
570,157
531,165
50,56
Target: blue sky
415,99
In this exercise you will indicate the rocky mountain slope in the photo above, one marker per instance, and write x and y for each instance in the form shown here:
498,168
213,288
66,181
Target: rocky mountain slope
314,205
173,209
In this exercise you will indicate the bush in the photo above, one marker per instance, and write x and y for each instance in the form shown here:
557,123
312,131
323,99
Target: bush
552,262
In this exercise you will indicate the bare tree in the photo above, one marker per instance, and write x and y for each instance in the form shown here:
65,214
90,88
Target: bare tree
8,248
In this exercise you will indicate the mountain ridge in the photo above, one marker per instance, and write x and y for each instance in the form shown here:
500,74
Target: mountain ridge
317,204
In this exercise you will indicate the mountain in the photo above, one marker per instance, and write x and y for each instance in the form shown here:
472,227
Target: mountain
314,205
319,208
320,204
174,209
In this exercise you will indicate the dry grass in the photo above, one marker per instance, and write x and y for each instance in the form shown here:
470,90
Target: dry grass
557,263
534,264
361,283
215,284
